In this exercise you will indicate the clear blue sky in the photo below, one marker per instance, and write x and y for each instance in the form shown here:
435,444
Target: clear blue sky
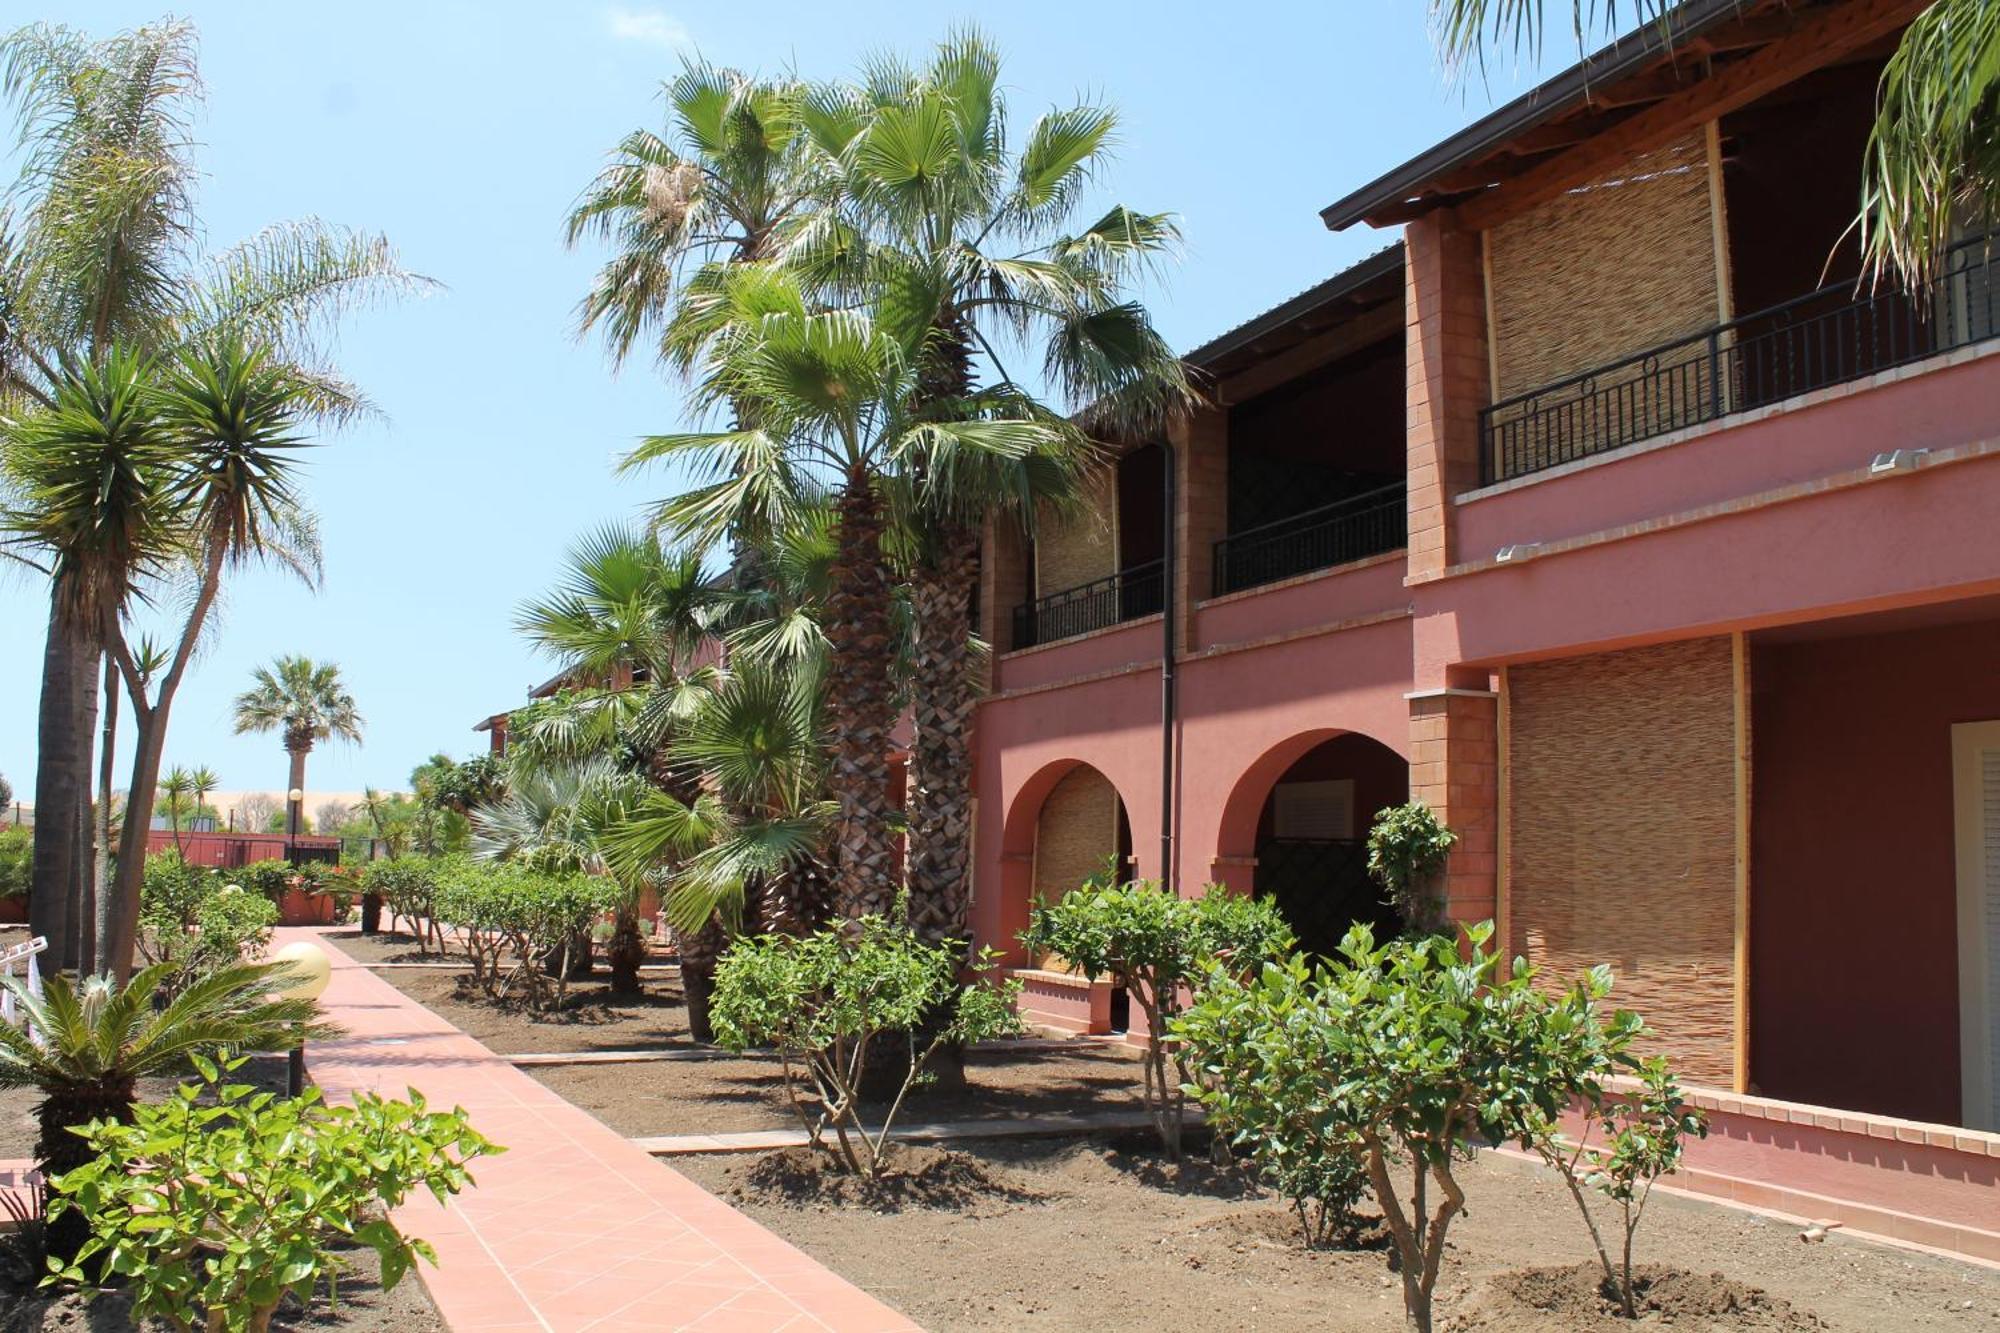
464,131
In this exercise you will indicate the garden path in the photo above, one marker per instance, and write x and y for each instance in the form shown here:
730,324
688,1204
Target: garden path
575,1227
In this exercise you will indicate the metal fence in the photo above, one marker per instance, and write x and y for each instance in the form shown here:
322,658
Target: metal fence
1840,333
1335,534
1126,595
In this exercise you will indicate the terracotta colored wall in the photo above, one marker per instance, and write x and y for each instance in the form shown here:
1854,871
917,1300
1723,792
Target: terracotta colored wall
1622,836
1853,888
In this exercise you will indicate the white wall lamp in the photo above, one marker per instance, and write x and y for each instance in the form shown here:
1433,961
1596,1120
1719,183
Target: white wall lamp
1517,552
1897,460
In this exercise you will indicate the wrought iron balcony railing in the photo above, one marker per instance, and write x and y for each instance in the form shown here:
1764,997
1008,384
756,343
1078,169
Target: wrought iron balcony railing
1346,530
1841,332
1126,595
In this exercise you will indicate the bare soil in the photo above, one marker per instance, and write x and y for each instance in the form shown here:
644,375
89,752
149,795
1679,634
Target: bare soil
1103,1234
733,1095
364,1307
402,947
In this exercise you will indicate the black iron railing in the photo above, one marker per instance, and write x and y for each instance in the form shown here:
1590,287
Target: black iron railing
1839,333
1126,595
1335,534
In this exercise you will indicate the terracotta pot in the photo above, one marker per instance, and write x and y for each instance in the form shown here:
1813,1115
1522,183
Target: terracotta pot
13,911
299,908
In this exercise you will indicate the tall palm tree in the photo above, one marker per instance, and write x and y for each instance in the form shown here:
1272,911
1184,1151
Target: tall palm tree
175,789
103,250
201,785
974,238
1933,157
305,703
832,394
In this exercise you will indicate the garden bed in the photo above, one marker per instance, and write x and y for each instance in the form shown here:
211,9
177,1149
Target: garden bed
1101,1234
17,1105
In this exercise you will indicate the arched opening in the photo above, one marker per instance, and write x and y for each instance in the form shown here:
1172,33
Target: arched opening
1311,832
1066,824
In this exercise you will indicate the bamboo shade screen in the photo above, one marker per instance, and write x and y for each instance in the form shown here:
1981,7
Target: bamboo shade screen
1622,841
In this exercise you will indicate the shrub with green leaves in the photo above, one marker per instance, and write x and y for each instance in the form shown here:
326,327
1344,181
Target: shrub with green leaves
17,861
408,887
212,1206
1407,848
1156,945
197,920
1258,1060
834,1001
513,920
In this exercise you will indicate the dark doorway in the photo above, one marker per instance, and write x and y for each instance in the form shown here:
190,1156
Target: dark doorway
1312,853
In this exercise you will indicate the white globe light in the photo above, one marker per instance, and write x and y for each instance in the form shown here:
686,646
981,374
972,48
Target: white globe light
310,965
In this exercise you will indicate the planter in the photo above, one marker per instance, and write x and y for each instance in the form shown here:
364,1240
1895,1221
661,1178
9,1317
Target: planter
14,911
297,907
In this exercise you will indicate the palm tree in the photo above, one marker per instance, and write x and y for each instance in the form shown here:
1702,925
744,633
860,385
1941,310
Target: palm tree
305,703
86,1044
1933,157
103,251
831,393
175,789
722,185
973,236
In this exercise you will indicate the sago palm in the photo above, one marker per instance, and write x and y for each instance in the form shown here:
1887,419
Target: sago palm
971,240
832,392
85,1044
304,702
1933,156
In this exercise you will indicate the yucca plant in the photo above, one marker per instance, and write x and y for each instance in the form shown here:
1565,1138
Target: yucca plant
86,1044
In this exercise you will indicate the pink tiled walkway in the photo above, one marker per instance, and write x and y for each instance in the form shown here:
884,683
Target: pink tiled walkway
574,1228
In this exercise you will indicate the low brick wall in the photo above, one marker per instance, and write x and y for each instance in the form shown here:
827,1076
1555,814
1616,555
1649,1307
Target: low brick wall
1063,1000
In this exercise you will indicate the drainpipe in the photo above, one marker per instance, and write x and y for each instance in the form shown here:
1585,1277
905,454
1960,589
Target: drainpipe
1168,611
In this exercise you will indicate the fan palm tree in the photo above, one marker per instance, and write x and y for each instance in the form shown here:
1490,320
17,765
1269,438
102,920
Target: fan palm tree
175,790
831,392
103,251
1933,156
85,1044
973,239
305,703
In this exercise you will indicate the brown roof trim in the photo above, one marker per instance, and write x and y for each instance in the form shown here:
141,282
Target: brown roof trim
1630,54
1378,265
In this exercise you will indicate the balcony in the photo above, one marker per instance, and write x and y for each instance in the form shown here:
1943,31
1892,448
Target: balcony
1127,595
1837,334
1336,534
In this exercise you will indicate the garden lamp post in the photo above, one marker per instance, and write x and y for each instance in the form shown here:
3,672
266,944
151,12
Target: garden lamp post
314,969
294,803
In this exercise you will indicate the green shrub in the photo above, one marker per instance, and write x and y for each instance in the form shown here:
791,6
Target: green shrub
17,861
230,927
1407,848
1259,1061
827,1000
208,1214
513,920
408,888
1157,944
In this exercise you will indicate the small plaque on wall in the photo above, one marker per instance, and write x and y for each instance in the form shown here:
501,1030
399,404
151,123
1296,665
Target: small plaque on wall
1314,811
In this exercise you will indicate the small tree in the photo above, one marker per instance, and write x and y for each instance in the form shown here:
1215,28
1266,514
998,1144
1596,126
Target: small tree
214,1205
1157,944
521,927
1407,848
1264,1075
826,1000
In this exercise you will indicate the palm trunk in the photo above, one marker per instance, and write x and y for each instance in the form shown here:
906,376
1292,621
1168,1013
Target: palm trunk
700,951
295,819
626,951
861,706
107,768
57,1150
62,768
943,694
120,937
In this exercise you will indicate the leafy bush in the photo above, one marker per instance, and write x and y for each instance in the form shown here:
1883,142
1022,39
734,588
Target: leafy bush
193,921
1157,944
408,887
513,920
17,861
1260,1073
826,1001
210,1213
229,927
1407,848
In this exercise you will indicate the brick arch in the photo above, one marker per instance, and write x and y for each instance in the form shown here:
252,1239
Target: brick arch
1018,834
1242,810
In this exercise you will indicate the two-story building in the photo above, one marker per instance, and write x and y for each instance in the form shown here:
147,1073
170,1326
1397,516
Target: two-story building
1616,516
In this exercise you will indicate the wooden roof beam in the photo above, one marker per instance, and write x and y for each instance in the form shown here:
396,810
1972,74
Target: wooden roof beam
1322,349
1814,42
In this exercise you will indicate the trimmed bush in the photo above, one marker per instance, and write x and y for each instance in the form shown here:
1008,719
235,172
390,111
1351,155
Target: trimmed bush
521,927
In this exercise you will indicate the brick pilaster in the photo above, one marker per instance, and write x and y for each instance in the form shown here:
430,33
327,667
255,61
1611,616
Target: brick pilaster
1003,583
1201,508
1448,380
1455,770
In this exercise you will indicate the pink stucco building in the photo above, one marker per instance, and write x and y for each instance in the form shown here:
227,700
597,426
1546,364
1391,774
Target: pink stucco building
1606,513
